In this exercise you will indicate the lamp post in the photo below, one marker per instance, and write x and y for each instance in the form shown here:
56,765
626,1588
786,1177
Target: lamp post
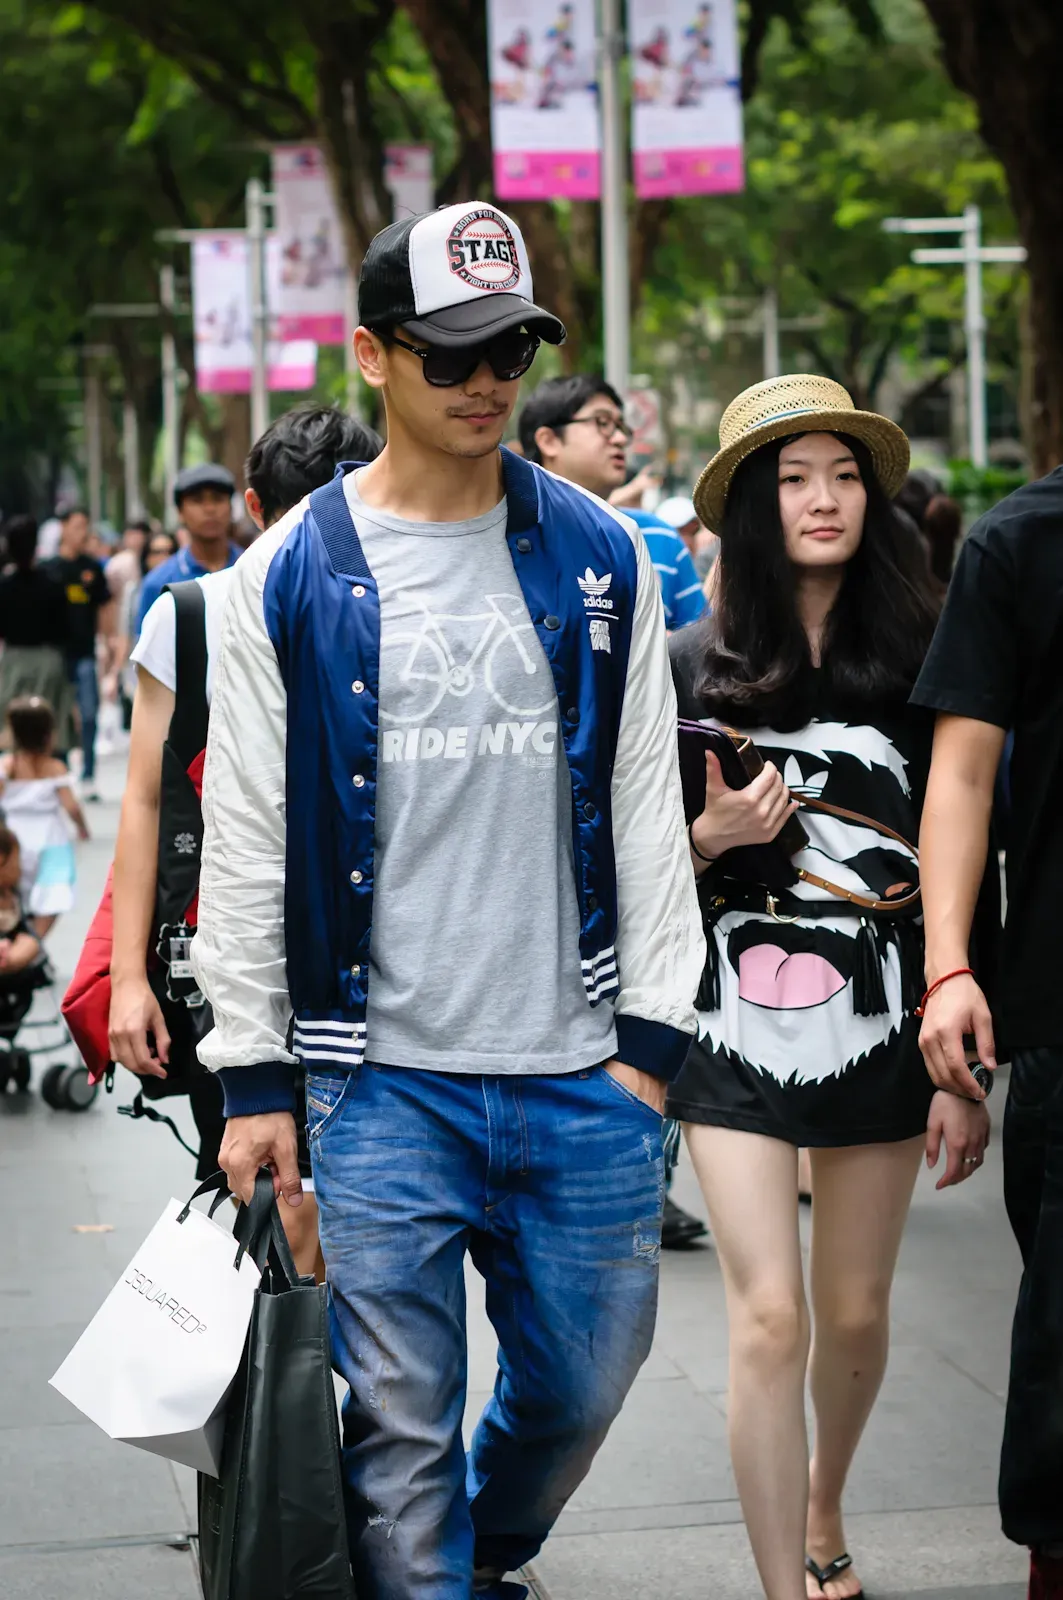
972,254
256,201
616,270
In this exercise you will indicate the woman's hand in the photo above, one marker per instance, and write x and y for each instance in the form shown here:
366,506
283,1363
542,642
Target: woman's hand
732,817
964,1126
958,1007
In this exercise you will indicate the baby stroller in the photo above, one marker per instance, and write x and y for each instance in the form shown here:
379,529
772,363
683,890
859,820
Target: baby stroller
65,1085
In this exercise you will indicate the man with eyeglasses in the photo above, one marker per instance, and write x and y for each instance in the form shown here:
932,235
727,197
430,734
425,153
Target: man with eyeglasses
575,427
444,829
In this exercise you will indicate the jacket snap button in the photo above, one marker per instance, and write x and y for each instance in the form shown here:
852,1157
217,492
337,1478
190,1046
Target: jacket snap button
571,715
357,686
553,623
358,591
356,876
358,781
356,971
592,902
590,811
524,546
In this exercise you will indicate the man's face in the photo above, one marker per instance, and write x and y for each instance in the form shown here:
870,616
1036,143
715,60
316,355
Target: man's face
133,539
75,532
591,449
206,513
467,420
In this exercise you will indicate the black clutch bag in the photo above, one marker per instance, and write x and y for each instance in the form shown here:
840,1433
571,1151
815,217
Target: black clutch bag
740,762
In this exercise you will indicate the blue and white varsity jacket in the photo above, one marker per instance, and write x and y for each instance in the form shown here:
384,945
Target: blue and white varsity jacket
286,888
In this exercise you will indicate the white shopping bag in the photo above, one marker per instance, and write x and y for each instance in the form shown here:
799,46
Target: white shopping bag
155,1365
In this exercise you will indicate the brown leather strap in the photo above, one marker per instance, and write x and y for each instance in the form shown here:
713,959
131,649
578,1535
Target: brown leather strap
900,902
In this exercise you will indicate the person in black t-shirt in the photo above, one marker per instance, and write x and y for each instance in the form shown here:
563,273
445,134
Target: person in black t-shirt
90,611
996,664
33,625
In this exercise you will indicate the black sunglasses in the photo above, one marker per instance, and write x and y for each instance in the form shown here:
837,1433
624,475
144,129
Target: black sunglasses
509,354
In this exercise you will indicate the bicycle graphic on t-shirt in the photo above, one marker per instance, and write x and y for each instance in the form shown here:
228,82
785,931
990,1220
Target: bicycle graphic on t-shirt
508,649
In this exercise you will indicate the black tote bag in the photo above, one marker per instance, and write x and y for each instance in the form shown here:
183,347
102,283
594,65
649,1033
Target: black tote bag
272,1526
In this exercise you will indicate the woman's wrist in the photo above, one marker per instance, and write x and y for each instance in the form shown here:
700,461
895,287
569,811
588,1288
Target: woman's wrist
700,846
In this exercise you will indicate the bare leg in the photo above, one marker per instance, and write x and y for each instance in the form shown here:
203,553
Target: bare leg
862,1196
44,925
750,1185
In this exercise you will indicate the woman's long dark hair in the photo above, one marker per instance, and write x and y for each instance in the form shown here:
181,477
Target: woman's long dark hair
757,666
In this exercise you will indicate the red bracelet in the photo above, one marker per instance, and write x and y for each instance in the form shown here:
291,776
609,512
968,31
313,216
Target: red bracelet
961,972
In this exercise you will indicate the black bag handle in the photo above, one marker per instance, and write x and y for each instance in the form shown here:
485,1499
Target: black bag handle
188,725
259,1233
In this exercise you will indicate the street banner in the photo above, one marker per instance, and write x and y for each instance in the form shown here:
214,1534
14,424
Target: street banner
544,99
687,106
221,319
311,289
408,179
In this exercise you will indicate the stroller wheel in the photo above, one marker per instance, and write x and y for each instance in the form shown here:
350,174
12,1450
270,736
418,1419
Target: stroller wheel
73,1088
50,1085
21,1067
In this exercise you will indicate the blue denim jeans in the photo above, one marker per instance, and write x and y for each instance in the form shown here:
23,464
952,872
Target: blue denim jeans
555,1187
87,688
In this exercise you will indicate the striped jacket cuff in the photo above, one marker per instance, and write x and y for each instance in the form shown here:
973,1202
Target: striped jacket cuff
651,1047
265,1086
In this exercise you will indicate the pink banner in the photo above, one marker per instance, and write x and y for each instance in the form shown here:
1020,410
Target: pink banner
540,175
221,319
544,99
659,173
306,293
687,109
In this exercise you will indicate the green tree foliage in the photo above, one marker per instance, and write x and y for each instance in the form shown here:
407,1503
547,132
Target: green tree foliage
103,143
843,131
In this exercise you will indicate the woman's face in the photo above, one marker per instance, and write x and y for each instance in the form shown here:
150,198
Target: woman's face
159,550
822,501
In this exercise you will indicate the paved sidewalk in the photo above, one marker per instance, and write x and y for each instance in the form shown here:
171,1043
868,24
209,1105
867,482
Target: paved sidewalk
84,1519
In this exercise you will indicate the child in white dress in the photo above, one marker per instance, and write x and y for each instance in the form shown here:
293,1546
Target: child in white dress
40,807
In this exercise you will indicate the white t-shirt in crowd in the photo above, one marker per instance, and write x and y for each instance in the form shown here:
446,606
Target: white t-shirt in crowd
156,649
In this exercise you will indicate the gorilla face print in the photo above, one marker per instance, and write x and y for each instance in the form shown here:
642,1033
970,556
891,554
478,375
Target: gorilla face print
786,1004
786,1000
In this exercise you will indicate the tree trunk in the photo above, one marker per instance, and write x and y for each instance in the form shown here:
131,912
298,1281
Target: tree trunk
1009,58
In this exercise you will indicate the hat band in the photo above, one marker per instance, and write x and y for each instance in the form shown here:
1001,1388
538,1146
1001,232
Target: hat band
795,411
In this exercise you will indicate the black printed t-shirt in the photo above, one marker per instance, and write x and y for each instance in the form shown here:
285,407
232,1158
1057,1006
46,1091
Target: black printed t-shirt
997,657
85,586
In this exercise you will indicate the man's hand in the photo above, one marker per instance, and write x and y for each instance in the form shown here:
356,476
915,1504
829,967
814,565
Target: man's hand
135,1013
630,494
958,1007
965,1128
266,1140
643,1085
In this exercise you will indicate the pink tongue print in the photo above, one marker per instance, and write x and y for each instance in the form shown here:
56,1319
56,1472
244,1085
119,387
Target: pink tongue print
767,976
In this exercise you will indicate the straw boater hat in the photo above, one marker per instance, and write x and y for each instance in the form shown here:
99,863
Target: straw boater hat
798,403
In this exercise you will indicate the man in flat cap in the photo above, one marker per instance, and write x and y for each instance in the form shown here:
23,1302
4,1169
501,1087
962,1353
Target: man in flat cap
203,496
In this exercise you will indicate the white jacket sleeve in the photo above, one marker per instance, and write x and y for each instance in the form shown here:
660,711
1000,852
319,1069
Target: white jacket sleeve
660,942
238,953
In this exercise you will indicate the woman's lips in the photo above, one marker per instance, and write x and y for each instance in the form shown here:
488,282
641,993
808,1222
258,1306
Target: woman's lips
768,977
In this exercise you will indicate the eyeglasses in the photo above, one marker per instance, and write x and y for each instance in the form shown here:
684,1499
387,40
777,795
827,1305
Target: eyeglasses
509,354
606,423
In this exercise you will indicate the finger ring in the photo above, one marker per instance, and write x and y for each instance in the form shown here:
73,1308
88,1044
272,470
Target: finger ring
970,1161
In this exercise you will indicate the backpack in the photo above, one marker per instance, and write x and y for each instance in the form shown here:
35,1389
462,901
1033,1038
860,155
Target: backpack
87,1003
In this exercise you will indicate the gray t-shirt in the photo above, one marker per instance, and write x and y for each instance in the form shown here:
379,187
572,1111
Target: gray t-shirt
474,958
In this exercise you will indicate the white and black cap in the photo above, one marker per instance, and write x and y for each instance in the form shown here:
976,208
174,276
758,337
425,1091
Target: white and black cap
452,277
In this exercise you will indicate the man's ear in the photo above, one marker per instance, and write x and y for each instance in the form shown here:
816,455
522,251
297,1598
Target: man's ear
254,509
371,356
548,445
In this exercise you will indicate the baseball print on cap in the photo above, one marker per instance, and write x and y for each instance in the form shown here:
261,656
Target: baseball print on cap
452,277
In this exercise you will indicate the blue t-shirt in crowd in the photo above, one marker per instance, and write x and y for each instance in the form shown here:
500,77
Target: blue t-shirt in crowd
174,570
681,591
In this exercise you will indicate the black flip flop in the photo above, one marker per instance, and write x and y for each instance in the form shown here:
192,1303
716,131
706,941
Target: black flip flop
832,1570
